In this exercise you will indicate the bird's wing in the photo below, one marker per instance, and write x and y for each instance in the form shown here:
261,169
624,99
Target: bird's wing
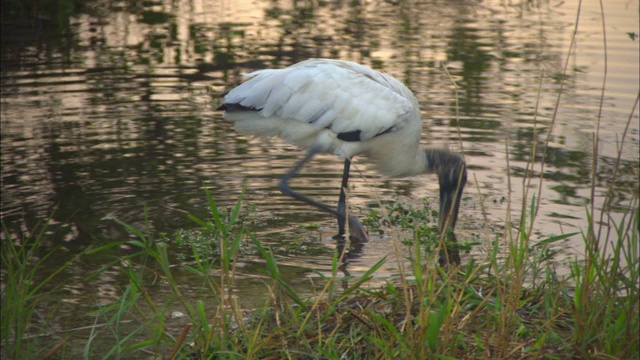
354,101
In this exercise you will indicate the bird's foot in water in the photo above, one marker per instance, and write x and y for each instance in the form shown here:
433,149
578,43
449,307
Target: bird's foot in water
357,232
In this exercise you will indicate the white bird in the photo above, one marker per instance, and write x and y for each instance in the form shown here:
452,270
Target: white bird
347,109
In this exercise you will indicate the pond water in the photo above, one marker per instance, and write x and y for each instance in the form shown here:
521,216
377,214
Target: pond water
110,112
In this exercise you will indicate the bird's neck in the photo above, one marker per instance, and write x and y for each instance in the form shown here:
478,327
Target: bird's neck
432,160
439,160
425,160
408,166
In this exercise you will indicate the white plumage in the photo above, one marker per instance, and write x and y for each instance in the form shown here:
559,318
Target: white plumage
313,102
343,108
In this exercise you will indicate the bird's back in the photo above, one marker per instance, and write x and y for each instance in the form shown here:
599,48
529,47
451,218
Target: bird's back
340,106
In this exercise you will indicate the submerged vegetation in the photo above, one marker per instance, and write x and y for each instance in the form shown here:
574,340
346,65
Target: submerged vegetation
516,306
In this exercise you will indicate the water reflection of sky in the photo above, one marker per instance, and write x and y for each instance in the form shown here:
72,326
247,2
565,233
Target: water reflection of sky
112,113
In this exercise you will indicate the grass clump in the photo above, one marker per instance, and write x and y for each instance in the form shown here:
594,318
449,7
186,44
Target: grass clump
510,306
517,307
24,289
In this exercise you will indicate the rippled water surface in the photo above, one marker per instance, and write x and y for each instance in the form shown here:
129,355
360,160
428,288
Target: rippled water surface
110,113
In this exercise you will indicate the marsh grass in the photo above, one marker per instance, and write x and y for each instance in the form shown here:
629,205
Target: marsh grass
23,291
516,306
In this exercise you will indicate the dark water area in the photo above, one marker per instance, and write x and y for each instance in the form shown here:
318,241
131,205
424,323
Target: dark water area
109,111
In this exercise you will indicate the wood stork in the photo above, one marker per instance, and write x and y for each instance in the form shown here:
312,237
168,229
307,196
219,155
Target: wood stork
340,107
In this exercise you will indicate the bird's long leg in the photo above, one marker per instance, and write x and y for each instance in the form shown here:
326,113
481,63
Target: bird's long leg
355,227
342,201
283,185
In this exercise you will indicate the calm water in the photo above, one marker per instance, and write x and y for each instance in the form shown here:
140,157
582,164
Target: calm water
109,112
